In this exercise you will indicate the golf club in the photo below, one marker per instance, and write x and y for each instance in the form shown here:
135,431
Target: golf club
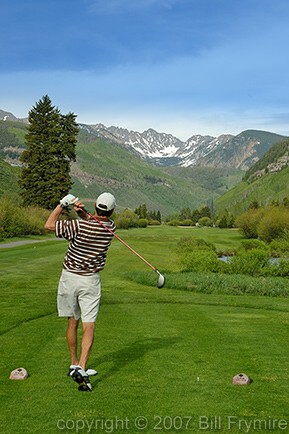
161,278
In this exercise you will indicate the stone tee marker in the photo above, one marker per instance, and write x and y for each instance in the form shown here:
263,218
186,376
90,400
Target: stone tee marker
19,374
241,380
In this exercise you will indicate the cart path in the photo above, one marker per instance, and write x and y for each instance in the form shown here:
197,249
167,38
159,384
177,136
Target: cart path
23,242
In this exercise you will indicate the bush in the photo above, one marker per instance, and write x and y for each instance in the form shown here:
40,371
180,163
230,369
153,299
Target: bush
248,222
265,223
283,268
279,247
174,223
273,223
186,222
16,221
254,244
154,222
189,244
34,220
126,219
201,261
205,221
250,262
196,254
122,223
142,223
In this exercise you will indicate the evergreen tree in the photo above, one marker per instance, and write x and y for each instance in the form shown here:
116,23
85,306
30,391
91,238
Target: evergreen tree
285,202
51,141
141,211
254,204
196,215
185,214
205,211
159,216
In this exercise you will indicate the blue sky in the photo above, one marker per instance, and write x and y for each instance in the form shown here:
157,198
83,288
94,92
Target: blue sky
183,67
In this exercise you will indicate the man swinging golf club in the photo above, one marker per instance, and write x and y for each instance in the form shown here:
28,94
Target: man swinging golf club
79,289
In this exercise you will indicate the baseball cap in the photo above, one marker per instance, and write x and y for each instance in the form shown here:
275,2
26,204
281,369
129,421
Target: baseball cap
105,202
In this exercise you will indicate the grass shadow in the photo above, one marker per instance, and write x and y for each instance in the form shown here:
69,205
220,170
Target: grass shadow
131,353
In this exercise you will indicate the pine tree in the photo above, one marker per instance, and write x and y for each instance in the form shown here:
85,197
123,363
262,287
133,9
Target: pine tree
159,216
51,141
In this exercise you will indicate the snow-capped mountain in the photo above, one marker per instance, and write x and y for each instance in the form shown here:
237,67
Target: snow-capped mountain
226,150
159,148
164,149
197,147
7,116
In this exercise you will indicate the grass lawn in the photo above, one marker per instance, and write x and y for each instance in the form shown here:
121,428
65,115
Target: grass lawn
165,357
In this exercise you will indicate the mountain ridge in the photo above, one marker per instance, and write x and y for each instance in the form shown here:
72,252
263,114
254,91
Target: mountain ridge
239,151
225,151
110,163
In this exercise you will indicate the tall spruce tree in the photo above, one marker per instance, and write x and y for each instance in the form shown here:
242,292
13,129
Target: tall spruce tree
51,141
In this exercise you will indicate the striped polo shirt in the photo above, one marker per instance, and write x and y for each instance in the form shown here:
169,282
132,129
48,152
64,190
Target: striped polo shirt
89,242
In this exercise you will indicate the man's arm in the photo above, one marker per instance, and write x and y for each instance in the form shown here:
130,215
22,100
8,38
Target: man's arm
52,219
54,216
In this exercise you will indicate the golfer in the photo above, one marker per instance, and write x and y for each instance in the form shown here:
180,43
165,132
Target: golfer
79,288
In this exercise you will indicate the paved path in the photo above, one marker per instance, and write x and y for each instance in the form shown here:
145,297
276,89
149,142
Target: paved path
23,242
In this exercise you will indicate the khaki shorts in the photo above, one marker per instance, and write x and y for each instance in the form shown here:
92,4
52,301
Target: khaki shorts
79,296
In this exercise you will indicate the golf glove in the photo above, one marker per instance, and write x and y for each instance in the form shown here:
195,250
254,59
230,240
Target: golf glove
68,200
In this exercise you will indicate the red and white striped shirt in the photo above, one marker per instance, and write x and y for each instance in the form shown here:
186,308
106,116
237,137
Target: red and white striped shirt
89,242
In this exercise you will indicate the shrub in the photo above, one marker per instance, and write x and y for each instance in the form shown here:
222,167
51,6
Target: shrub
34,220
279,247
248,222
196,254
205,221
250,262
273,223
254,244
122,223
142,223
154,222
201,261
16,221
174,223
186,222
126,219
283,268
189,244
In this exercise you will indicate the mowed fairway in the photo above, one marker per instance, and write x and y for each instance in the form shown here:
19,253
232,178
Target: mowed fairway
165,357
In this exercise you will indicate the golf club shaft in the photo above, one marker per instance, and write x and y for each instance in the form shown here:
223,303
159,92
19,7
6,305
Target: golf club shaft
121,240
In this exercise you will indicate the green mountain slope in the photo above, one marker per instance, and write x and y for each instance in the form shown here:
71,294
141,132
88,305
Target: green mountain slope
264,182
275,159
243,150
216,180
8,178
104,166
271,186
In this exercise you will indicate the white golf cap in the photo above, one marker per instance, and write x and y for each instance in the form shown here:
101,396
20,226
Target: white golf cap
105,202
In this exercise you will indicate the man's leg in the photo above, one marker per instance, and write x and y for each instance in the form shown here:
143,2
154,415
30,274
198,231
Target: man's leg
86,343
71,337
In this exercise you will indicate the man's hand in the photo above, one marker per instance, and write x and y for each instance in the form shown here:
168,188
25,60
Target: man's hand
78,205
68,200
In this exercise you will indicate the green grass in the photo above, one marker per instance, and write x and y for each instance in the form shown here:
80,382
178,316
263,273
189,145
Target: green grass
164,354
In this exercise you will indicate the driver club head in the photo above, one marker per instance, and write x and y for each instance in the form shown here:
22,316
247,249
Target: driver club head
161,280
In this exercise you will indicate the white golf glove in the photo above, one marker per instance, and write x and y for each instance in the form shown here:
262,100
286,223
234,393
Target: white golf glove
68,200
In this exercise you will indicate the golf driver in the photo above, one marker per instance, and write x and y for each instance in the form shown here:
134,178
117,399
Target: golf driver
161,278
